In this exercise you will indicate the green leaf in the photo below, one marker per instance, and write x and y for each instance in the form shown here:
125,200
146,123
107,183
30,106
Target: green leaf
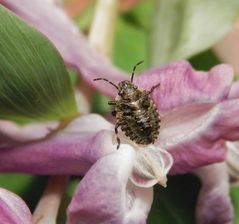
176,203
235,200
183,28
204,61
141,14
100,104
84,19
130,46
34,84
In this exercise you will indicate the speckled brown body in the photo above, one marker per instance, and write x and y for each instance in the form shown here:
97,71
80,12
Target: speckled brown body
136,114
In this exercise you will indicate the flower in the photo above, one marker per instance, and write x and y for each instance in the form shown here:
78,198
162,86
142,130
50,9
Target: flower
197,117
88,139
215,179
106,195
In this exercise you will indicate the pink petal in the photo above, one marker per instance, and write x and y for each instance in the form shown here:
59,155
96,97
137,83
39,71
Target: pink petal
70,151
193,134
234,92
105,196
180,85
74,149
13,209
214,204
49,18
11,133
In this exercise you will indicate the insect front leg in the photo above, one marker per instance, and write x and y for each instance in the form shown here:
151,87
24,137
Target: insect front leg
112,102
117,137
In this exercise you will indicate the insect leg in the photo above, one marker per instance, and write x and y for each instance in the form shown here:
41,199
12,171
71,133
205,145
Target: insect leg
113,113
117,138
132,75
153,88
111,102
97,79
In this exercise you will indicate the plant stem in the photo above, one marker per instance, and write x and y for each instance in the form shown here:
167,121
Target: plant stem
103,27
227,49
48,206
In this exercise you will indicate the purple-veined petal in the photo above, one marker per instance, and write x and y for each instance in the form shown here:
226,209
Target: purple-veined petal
151,166
49,18
214,204
226,124
105,194
193,134
13,209
70,151
180,85
188,157
182,131
186,123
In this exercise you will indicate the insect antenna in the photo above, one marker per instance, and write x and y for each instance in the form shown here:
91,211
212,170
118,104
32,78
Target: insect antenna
132,75
97,79
153,88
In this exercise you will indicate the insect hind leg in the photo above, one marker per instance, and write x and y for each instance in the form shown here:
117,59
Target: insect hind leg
118,142
117,137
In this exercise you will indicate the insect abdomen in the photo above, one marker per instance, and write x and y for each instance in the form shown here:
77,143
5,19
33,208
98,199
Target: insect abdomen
139,124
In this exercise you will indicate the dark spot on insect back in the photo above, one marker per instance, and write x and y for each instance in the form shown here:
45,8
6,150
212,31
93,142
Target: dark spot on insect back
147,131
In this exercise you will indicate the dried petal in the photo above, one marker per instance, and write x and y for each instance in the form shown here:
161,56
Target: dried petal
151,166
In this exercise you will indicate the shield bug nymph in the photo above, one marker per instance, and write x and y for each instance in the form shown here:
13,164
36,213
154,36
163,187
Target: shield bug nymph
135,112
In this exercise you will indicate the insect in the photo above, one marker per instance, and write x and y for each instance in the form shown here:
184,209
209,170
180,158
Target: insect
135,112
